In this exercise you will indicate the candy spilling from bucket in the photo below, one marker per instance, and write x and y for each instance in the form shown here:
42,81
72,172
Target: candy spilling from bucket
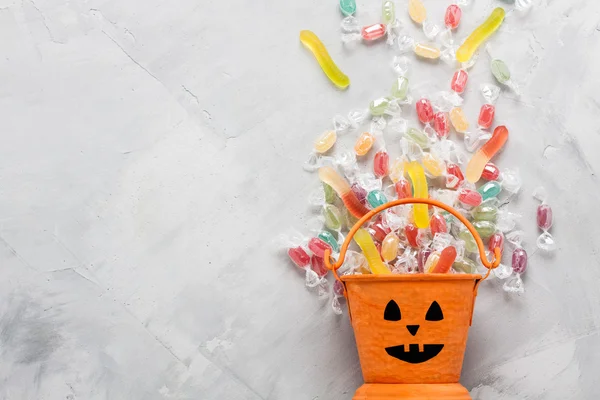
411,329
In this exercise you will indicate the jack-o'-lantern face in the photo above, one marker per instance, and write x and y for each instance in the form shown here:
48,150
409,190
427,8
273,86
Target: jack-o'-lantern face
410,352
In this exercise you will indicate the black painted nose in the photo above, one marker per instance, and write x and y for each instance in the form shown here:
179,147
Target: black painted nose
413,329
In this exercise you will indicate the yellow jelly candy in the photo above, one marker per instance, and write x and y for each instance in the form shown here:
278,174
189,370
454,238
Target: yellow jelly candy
325,141
363,238
427,50
479,35
417,11
459,120
419,183
364,144
335,75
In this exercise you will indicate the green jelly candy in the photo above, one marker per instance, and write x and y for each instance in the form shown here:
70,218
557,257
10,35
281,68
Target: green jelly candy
388,12
400,88
378,106
470,243
490,189
465,265
376,198
333,217
328,238
500,71
485,212
348,7
418,137
485,228
330,194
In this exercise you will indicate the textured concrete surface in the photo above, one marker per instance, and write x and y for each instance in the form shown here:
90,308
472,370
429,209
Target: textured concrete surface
151,150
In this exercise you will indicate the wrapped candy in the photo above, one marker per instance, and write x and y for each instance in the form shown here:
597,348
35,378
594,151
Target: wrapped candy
454,175
438,224
388,17
390,247
469,197
348,7
501,72
376,198
464,265
425,114
327,237
298,251
484,228
506,221
373,32
350,29
379,106
544,221
331,215
352,32
364,143
459,80
443,103
418,137
490,172
470,243
459,120
490,190
327,139
418,13
490,94
434,166
422,49
510,178
452,16
338,293
357,117
399,91
381,163
497,241
422,256
486,211
407,262
514,283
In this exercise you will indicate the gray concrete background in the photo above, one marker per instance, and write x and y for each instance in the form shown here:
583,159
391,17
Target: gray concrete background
151,150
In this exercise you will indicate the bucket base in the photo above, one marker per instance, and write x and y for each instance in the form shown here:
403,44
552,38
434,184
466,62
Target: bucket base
389,391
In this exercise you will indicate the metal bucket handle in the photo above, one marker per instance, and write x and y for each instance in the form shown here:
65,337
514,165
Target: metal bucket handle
333,266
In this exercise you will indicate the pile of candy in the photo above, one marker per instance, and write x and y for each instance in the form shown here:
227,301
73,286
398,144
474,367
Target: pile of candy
415,238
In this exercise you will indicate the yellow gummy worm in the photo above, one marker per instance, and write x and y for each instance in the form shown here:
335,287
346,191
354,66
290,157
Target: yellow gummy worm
479,35
366,244
314,44
419,183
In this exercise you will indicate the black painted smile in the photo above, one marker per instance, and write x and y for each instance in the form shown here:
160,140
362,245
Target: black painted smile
413,355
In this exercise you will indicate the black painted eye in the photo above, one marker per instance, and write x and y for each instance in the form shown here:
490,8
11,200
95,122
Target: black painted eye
434,313
392,312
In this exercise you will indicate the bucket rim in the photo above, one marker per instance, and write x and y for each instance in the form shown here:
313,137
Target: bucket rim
410,277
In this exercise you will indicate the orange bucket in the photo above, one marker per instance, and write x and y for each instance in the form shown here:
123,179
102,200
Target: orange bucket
411,329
